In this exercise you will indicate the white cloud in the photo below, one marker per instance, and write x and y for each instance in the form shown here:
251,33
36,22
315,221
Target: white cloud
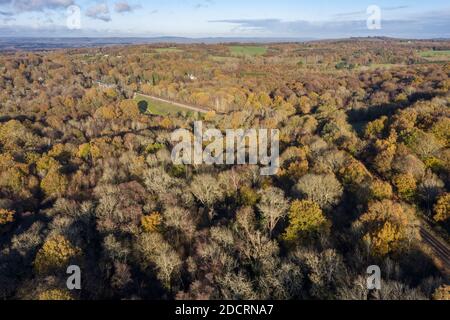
99,11
123,6
39,5
424,25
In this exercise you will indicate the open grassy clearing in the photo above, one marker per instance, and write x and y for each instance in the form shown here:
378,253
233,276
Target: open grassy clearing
159,108
251,51
436,55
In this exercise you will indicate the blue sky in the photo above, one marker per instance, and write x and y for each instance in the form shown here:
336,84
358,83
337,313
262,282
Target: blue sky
226,18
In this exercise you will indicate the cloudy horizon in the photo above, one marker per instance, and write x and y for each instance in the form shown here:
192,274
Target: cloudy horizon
216,18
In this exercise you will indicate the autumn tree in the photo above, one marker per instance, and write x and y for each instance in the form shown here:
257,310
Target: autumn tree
405,185
442,208
306,221
384,153
430,188
387,227
273,207
424,144
129,109
6,216
54,295
442,293
325,190
155,251
379,190
54,184
207,191
57,252
180,222
325,271
354,174
152,222
375,128
157,180
247,196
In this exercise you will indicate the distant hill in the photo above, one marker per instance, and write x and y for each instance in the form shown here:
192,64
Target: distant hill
14,44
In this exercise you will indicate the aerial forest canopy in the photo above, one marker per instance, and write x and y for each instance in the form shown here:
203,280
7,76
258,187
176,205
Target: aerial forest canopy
86,176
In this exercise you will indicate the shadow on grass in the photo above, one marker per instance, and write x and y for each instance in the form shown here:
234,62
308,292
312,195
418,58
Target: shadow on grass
143,106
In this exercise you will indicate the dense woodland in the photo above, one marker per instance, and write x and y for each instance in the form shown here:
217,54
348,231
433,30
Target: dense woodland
86,176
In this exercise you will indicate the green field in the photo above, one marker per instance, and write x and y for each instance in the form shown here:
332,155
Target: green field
159,108
251,51
436,55
169,50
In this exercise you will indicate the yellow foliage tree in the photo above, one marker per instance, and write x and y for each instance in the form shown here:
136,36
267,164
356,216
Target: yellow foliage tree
442,293
152,222
380,190
111,93
55,253
306,220
95,151
354,173
304,104
6,216
129,109
385,152
405,185
166,123
10,133
442,208
385,239
387,227
87,150
54,183
264,99
54,295
210,115
295,170
441,129
56,151
45,163
84,150
375,128
106,113
12,174
12,179
69,102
